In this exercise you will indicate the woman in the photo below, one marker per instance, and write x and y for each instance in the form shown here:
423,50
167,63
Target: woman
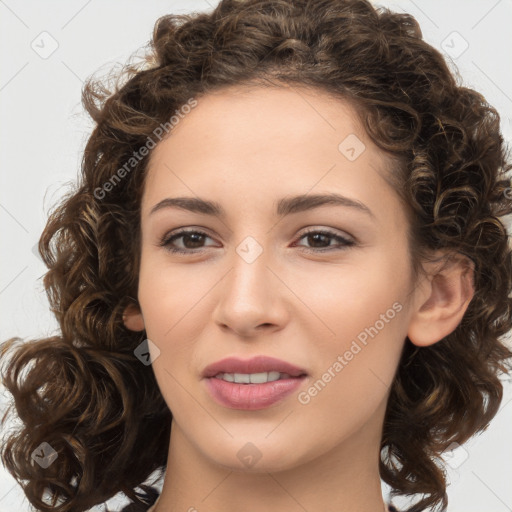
287,234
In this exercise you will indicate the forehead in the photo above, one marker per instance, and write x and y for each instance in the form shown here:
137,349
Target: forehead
278,116
255,142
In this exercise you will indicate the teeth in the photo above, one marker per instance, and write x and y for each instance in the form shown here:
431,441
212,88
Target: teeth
252,378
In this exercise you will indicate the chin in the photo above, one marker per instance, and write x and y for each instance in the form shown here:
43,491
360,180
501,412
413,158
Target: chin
256,456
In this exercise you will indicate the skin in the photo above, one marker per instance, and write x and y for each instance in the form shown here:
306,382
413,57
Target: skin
246,148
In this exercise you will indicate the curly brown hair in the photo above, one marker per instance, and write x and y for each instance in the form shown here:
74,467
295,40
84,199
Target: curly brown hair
85,392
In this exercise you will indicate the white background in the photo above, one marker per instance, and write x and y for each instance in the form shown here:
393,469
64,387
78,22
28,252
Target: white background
43,131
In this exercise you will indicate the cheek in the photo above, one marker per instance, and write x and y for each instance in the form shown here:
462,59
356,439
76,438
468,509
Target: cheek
356,367
365,314
359,294
169,296
175,305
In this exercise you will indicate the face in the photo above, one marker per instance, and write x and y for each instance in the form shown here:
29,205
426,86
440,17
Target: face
322,285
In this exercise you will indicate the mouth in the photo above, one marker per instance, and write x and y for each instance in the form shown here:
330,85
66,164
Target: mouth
256,366
254,378
252,384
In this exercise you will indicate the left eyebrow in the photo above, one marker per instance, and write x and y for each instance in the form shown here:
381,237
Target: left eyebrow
295,204
285,206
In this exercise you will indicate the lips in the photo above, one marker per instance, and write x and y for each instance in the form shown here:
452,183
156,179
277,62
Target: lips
256,364
251,396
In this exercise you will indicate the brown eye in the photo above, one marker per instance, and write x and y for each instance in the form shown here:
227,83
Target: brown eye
191,240
320,241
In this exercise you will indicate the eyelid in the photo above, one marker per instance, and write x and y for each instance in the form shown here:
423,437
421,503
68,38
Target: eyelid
176,234
345,241
343,234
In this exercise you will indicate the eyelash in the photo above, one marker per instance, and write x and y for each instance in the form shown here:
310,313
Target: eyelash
167,240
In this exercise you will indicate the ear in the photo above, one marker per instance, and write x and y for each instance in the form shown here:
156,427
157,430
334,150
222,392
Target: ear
442,299
132,318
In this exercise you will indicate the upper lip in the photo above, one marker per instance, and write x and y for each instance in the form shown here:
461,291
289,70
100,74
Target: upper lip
258,364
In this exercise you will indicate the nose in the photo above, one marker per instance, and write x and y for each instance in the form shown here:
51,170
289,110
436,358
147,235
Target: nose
251,300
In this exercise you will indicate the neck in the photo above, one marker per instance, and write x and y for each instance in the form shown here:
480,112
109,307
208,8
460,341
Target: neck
343,479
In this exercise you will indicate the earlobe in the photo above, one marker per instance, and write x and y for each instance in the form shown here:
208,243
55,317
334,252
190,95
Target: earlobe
443,300
133,319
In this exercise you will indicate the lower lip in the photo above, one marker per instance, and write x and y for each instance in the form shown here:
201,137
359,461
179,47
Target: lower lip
251,396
